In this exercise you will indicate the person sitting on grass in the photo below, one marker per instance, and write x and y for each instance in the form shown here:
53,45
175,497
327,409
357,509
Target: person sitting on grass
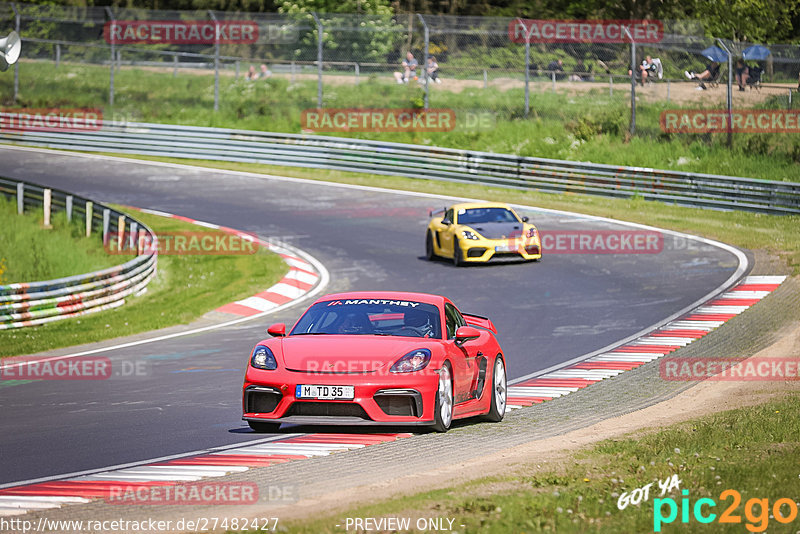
710,74
432,70
251,74
409,65
265,72
556,68
646,69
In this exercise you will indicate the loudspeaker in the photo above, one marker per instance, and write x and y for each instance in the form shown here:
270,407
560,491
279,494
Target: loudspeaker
10,47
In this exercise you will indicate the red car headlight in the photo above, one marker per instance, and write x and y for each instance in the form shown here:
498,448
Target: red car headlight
263,358
413,361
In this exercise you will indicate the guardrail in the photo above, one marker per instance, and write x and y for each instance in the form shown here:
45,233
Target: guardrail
415,161
36,303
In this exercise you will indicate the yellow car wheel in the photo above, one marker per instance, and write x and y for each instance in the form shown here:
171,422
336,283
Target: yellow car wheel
458,258
430,255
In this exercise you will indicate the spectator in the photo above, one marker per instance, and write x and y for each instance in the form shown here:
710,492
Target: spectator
581,73
265,72
742,72
433,70
555,67
409,65
646,69
710,74
251,74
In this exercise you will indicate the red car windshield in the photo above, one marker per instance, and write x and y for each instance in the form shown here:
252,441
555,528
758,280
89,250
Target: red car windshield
376,317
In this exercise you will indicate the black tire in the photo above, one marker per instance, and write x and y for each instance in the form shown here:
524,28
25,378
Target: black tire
499,391
430,255
444,395
264,428
458,259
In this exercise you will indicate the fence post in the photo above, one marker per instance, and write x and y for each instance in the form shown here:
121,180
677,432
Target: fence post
16,65
216,60
729,100
790,99
610,85
58,55
20,198
89,205
527,67
358,72
668,90
425,56
132,237
113,40
47,201
485,79
633,82
69,208
320,29
237,69
120,231
175,66
106,224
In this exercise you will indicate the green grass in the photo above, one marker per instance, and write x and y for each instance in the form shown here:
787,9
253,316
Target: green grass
592,126
184,288
752,450
30,252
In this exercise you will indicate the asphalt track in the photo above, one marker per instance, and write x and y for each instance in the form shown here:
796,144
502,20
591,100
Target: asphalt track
547,313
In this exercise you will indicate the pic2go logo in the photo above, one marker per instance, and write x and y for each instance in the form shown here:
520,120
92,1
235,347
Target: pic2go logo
756,511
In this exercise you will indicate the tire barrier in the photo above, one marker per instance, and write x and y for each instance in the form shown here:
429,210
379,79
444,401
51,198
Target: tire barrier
37,303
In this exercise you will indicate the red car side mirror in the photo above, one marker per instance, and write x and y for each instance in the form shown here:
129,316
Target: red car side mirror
466,333
277,330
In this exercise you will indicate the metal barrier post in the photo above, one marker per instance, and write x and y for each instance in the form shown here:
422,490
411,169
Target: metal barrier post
319,58
47,201
106,224
20,198
58,55
527,67
16,65
425,57
485,79
69,208
132,236
358,72
729,101
113,41
89,205
633,81
216,60
174,66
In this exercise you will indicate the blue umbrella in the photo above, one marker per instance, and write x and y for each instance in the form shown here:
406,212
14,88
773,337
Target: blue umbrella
715,53
757,52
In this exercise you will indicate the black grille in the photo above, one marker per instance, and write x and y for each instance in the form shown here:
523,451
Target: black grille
476,252
397,405
335,409
261,401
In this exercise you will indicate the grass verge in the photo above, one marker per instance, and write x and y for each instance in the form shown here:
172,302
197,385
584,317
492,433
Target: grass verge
751,450
776,234
592,126
30,252
184,288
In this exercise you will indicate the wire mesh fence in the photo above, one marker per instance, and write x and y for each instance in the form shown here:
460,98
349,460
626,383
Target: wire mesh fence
484,70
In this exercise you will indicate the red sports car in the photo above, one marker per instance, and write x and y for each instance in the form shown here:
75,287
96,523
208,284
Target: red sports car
376,358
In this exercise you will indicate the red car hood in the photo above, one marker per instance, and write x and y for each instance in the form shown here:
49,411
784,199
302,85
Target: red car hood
346,353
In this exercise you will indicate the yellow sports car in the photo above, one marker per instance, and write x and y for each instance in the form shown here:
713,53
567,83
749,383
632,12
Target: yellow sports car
477,232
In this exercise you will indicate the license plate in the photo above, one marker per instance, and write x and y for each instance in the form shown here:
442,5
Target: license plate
304,391
505,248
